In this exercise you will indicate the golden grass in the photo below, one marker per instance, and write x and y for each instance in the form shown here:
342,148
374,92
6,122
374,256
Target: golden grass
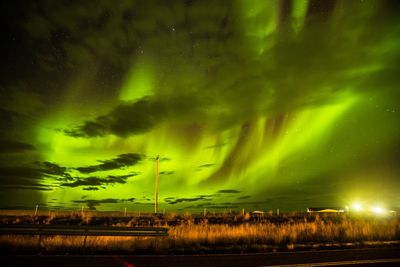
302,232
244,236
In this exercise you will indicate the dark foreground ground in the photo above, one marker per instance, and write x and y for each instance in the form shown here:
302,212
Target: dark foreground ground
350,257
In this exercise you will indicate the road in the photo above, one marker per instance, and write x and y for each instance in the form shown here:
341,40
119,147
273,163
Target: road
349,257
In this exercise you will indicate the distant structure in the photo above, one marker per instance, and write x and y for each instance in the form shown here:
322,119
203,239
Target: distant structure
325,210
257,212
156,190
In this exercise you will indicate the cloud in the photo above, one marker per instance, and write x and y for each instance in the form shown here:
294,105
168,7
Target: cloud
206,196
9,146
31,175
227,205
96,181
36,187
14,122
90,188
228,191
243,197
51,168
24,177
172,200
206,165
20,172
167,172
139,117
93,203
209,197
121,161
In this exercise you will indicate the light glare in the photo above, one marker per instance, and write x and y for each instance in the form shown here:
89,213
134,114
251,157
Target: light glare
357,207
377,209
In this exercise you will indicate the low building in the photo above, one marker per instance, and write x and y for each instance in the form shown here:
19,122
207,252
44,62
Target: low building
325,210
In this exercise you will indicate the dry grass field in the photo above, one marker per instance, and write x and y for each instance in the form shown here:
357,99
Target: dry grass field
212,233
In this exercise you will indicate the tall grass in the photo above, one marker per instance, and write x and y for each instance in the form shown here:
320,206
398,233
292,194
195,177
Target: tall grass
244,236
278,234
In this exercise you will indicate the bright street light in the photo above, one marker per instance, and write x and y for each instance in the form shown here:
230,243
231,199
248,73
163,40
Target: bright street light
377,210
357,207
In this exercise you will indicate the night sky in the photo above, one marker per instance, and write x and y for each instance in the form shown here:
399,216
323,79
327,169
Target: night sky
250,104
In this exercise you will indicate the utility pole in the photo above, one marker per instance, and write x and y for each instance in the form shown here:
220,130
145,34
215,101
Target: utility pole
36,210
156,191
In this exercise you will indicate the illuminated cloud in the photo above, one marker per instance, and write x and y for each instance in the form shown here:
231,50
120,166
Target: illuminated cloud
121,161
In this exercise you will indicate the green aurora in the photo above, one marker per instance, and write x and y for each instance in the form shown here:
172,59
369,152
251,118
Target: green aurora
250,104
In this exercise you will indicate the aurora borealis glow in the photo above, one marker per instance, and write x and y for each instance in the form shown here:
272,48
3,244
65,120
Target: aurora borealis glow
250,104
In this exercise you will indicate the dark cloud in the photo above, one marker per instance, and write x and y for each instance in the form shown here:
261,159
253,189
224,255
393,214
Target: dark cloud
51,168
36,187
9,146
209,197
173,201
228,205
206,165
90,188
93,203
228,191
212,206
24,177
20,172
144,203
32,175
206,196
167,172
11,120
96,181
121,161
139,117
243,197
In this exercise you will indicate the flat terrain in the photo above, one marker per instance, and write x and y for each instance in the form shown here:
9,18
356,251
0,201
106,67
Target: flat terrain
351,257
198,234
